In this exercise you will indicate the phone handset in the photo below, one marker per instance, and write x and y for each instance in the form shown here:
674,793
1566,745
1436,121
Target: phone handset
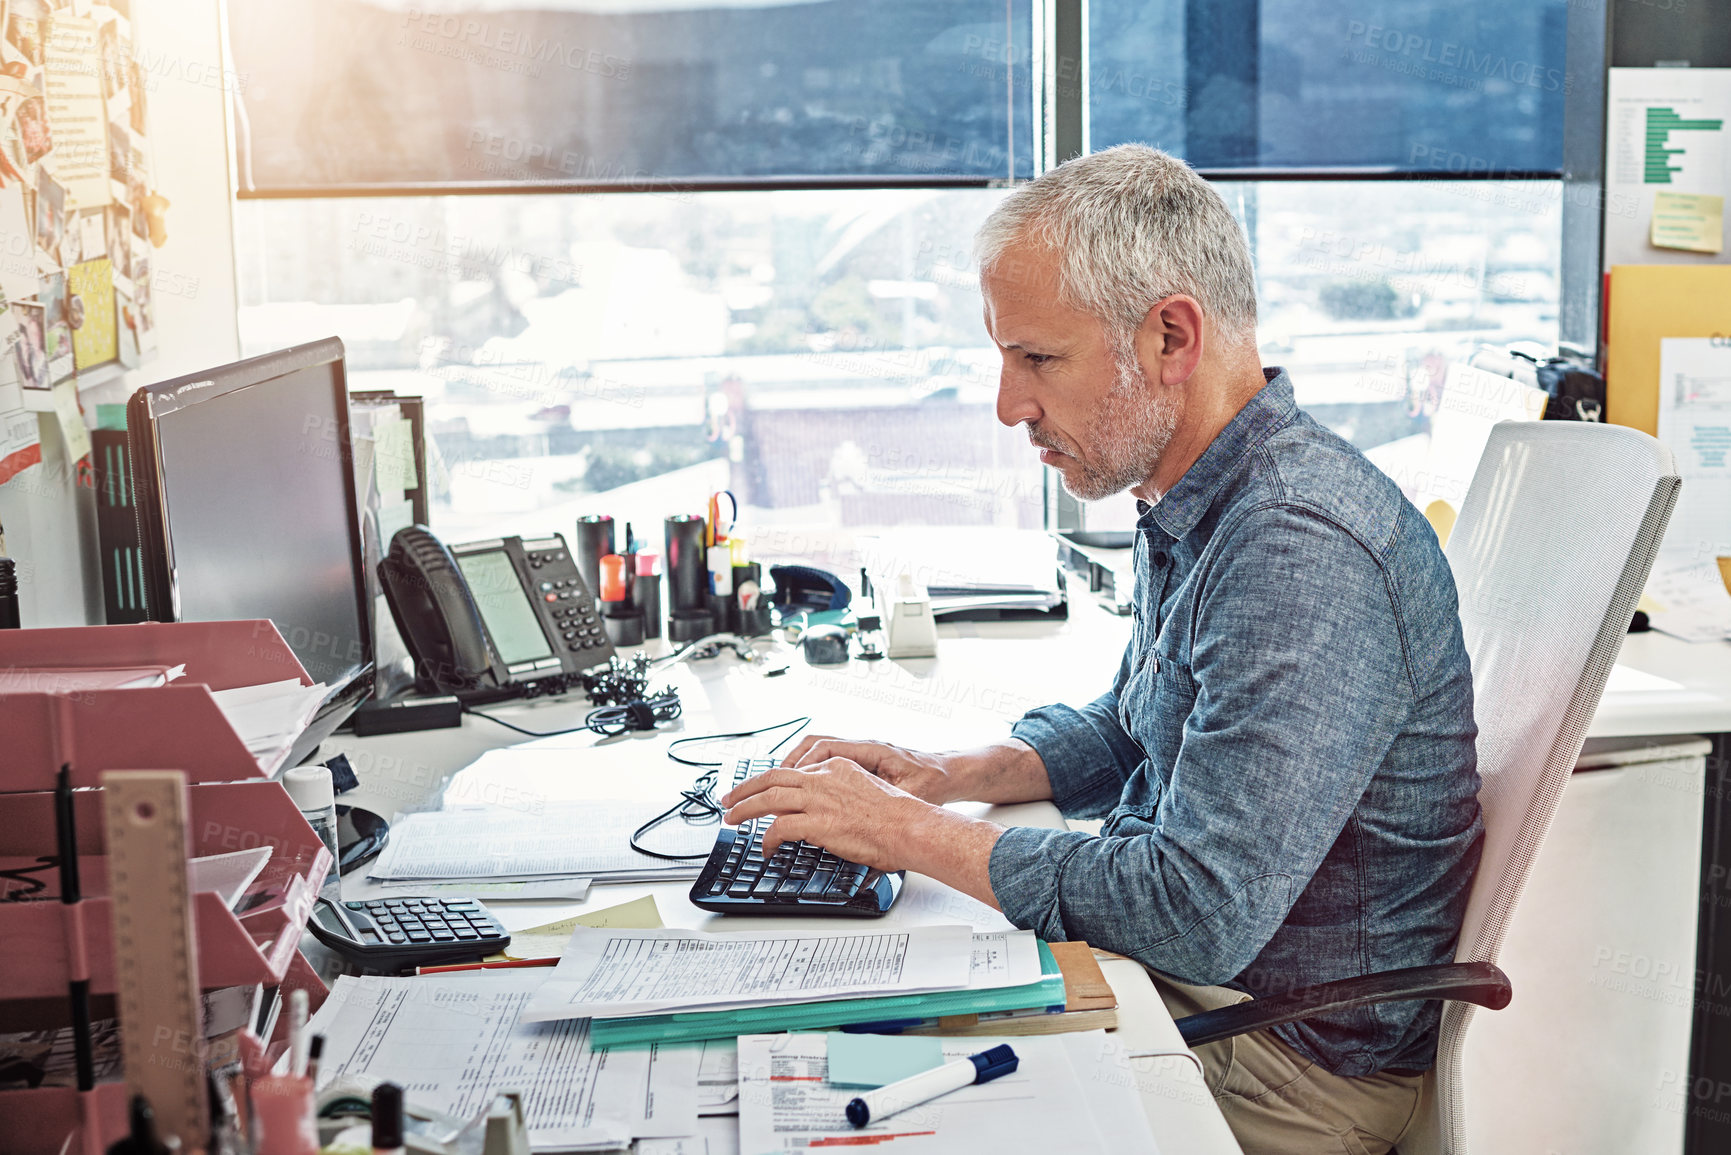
437,616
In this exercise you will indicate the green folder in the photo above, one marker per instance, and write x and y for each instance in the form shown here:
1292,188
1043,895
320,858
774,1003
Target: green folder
694,1026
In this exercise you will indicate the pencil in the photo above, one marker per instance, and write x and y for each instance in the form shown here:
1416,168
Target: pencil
488,966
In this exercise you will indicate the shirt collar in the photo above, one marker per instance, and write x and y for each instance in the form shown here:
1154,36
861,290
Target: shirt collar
1184,504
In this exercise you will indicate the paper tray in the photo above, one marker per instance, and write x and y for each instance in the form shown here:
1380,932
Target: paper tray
256,946
178,725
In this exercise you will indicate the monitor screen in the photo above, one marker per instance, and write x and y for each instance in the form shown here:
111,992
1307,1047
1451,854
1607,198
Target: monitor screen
256,492
504,606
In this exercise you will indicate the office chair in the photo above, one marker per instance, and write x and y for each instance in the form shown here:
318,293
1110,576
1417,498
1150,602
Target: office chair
1552,548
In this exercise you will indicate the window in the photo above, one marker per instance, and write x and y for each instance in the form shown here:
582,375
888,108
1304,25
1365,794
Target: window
1457,88
818,350
343,93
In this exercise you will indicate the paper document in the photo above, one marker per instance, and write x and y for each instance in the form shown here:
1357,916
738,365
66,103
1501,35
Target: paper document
269,717
589,839
786,1103
69,679
548,940
511,890
1665,132
623,974
718,1078
717,1136
1690,597
454,1040
1695,422
228,874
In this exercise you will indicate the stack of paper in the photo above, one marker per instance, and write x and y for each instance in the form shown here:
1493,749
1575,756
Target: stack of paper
456,1040
629,973
538,840
228,874
1071,1093
71,679
269,717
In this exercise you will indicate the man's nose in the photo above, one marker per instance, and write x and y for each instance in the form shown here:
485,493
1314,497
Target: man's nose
1015,403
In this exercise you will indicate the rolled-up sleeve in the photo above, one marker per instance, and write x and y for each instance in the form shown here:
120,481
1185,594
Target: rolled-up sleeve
1088,755
1301,685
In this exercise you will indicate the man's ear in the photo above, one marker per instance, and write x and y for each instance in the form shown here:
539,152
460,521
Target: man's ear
1170,338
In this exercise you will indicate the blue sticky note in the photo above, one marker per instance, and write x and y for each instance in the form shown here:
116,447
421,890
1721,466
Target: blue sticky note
874,1060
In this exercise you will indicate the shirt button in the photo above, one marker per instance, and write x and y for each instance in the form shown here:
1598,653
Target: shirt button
1161,558
1155,662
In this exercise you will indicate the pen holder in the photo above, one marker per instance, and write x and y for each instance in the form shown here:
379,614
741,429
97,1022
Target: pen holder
721,612
282,1108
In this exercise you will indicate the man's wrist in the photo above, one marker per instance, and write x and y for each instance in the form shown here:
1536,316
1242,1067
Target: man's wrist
952,848
1007,771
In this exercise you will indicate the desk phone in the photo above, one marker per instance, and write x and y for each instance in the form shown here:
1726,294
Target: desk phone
486,620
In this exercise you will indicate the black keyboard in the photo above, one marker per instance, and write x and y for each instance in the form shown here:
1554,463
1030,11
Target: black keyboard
798,879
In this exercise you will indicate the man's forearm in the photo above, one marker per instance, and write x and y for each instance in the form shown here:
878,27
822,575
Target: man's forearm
1004,772
954,849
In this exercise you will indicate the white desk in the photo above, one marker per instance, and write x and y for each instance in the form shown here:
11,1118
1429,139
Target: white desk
987,675
969,695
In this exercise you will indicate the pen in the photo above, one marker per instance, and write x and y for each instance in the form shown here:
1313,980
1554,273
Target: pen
315,1050
488,966
297,1033
78,990
928,1085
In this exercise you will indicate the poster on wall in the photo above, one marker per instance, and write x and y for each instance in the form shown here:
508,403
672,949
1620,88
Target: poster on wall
77,211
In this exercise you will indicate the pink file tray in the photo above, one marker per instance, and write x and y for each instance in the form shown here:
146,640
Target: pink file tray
178,725
258,945
39,1121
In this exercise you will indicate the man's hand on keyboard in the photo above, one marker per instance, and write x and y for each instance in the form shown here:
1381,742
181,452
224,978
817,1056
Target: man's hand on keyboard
836,804
921,774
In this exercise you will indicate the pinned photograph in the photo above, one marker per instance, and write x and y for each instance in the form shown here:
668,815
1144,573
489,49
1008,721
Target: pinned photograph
136,71
113,54
31,124
135,194
119,226
50,214
27,29
119,151
31,350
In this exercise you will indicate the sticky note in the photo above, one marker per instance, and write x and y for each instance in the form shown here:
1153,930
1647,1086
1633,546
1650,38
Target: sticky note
549,941
1690,221
874,1060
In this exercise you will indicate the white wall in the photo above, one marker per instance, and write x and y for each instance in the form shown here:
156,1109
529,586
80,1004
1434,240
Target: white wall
50,525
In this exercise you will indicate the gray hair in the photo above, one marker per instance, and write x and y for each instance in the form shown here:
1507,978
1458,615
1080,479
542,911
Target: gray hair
1132,225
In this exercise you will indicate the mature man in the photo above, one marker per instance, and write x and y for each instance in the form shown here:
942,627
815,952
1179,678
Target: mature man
1285,759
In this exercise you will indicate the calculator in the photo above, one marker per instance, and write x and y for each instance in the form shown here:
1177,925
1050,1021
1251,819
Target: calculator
798,879
394,934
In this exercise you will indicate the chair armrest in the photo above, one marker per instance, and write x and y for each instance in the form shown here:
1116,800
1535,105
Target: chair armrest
1472,982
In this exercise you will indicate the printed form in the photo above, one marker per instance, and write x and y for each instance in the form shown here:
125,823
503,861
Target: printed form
627,973
1061,1098
452,1041
591,840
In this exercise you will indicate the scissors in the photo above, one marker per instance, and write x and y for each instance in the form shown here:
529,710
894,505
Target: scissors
712,528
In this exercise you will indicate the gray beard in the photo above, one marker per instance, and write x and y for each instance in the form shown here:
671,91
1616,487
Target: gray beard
1129,435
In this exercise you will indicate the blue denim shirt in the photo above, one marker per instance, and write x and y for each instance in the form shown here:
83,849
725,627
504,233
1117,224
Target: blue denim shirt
1285,760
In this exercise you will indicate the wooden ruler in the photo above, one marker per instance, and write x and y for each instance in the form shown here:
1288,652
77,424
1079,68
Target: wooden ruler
155,956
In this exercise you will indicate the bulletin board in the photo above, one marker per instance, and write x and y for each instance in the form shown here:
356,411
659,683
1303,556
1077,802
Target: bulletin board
77,218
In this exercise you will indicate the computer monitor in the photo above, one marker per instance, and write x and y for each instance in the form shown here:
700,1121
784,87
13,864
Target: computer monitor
245,490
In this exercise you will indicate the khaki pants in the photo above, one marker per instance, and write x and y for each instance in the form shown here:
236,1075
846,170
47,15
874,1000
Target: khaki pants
1278,1102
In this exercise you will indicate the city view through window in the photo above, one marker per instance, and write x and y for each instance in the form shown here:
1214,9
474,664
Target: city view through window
821,354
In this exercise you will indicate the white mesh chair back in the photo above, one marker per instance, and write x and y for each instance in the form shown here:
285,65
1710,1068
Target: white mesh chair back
1553,545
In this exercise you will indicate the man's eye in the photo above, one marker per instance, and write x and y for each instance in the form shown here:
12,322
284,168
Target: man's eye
1037,358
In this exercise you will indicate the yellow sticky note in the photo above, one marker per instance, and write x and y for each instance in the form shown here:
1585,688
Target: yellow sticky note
94,338
71,421
1693,222
549,941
